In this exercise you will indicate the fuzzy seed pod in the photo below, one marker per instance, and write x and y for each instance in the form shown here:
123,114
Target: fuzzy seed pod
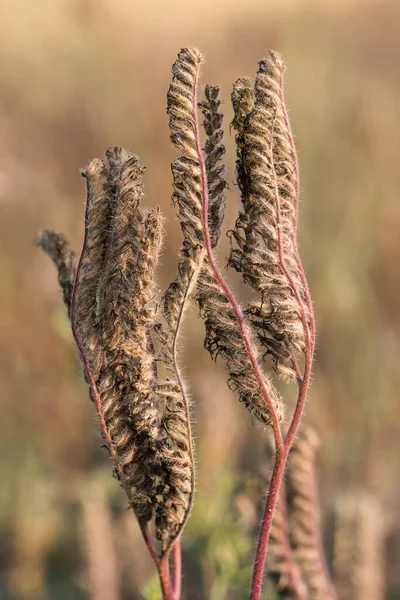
359,547
58,249
181,101
176,485
304,516
265,230
214,150
182,106
242,98
92,262
133,420
223,337
175,455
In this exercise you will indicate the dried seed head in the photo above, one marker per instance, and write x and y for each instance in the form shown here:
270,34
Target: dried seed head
57,247
214,150
359,547
92,261
264,234
223,337
125,313
243,102
176,484
305,515
182,106
176,481
181,101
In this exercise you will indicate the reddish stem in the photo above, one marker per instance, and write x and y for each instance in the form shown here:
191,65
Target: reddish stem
266,522
165,579
177,569
293,574
309,338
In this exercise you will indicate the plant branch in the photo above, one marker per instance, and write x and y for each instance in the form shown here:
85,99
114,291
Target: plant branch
97,399
221,281
309,336
177,569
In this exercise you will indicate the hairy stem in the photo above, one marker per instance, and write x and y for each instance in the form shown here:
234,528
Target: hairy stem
165,579
177,569
266,522
181,384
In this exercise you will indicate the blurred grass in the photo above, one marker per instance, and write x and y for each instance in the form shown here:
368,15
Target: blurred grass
80,75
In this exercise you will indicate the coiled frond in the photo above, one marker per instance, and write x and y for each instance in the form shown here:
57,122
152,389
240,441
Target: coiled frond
128,336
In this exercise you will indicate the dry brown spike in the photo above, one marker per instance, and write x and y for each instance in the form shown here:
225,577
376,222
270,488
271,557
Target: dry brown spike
358,560
304,516
124,306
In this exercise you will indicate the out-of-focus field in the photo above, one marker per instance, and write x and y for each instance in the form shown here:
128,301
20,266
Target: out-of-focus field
77,76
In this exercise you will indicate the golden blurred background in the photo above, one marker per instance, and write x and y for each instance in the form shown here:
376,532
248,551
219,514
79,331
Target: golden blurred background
77,76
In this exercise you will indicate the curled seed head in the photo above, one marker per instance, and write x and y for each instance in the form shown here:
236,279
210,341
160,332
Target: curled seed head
214,151
264,235
58,249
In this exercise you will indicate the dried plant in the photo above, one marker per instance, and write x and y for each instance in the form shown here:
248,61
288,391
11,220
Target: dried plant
359,547
304,516
128,336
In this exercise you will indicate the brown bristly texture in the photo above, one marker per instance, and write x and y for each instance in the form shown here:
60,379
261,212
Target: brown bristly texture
223,338
264,235
214,150
58,249
145,421
177,479
242,98
98,216
304,516
358,560
124,312
281,564
223,334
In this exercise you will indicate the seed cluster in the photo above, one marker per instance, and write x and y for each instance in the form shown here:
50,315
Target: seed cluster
128,335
